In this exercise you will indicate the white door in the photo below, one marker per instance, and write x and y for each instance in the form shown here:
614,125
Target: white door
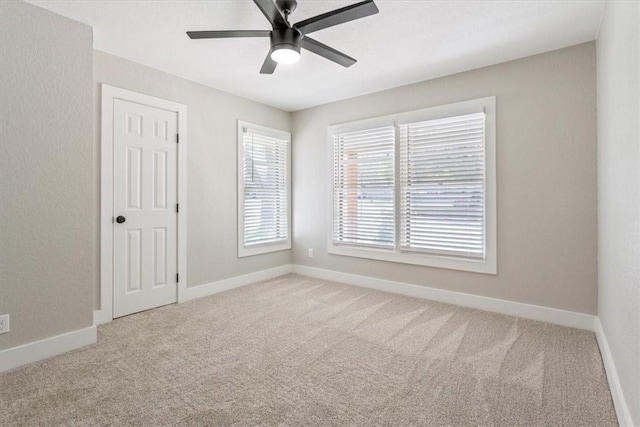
144,207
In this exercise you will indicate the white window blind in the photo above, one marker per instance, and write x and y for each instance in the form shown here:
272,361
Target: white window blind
265,188
442,186
364,188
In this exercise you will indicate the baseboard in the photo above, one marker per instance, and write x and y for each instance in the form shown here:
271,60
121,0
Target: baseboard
48,347
236,282
619,402
101,316
528,311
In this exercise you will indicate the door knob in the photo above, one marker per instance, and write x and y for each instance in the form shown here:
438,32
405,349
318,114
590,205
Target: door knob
120,219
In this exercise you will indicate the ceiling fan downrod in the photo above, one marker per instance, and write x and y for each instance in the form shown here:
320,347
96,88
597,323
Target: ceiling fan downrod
286,6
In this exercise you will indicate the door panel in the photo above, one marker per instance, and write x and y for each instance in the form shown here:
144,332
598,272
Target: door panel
134,178
133,260
159,179
145,194
159,256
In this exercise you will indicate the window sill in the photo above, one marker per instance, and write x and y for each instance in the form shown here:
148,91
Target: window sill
263,249
486,266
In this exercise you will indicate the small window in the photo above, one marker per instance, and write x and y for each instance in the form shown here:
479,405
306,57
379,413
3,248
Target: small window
418,187
263,190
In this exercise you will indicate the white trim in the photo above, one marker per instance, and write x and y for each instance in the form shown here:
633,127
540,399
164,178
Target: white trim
109,94
619,402
489,265
430,260
511,308
182,200
263,248
48,347
429,113
236,282
102,316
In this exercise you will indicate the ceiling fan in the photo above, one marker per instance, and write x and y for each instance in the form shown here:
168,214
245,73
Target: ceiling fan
287,39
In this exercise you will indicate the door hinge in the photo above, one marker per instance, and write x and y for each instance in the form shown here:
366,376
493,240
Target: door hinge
177,278
177,138
177,207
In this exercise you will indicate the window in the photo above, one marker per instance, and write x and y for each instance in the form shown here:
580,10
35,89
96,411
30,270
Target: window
364,188
263,190
442,186
418,187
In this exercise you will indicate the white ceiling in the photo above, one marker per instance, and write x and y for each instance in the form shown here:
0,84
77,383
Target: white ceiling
408,41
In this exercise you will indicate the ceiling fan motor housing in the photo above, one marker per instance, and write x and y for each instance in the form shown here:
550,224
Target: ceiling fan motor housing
286,38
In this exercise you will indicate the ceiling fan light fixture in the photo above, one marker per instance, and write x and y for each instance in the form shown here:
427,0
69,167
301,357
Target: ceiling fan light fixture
285,45
285,54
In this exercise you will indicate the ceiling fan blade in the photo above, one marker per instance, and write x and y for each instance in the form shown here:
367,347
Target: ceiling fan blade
327,52
269,65
338,16
227,34
271,12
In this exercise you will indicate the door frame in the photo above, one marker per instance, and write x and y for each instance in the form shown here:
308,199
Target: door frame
109,94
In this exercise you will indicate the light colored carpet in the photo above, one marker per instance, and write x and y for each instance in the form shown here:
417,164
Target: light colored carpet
301,351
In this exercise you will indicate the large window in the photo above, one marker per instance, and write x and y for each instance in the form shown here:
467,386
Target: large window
418,187
263,189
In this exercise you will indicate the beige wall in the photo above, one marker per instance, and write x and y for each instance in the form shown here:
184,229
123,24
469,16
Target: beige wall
619,192
211,176
546,188
46,173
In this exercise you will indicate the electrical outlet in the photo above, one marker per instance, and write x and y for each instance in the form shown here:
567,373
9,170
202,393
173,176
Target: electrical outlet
310,252
4,323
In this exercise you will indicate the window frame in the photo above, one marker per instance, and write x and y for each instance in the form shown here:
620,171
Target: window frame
488,265
262,248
